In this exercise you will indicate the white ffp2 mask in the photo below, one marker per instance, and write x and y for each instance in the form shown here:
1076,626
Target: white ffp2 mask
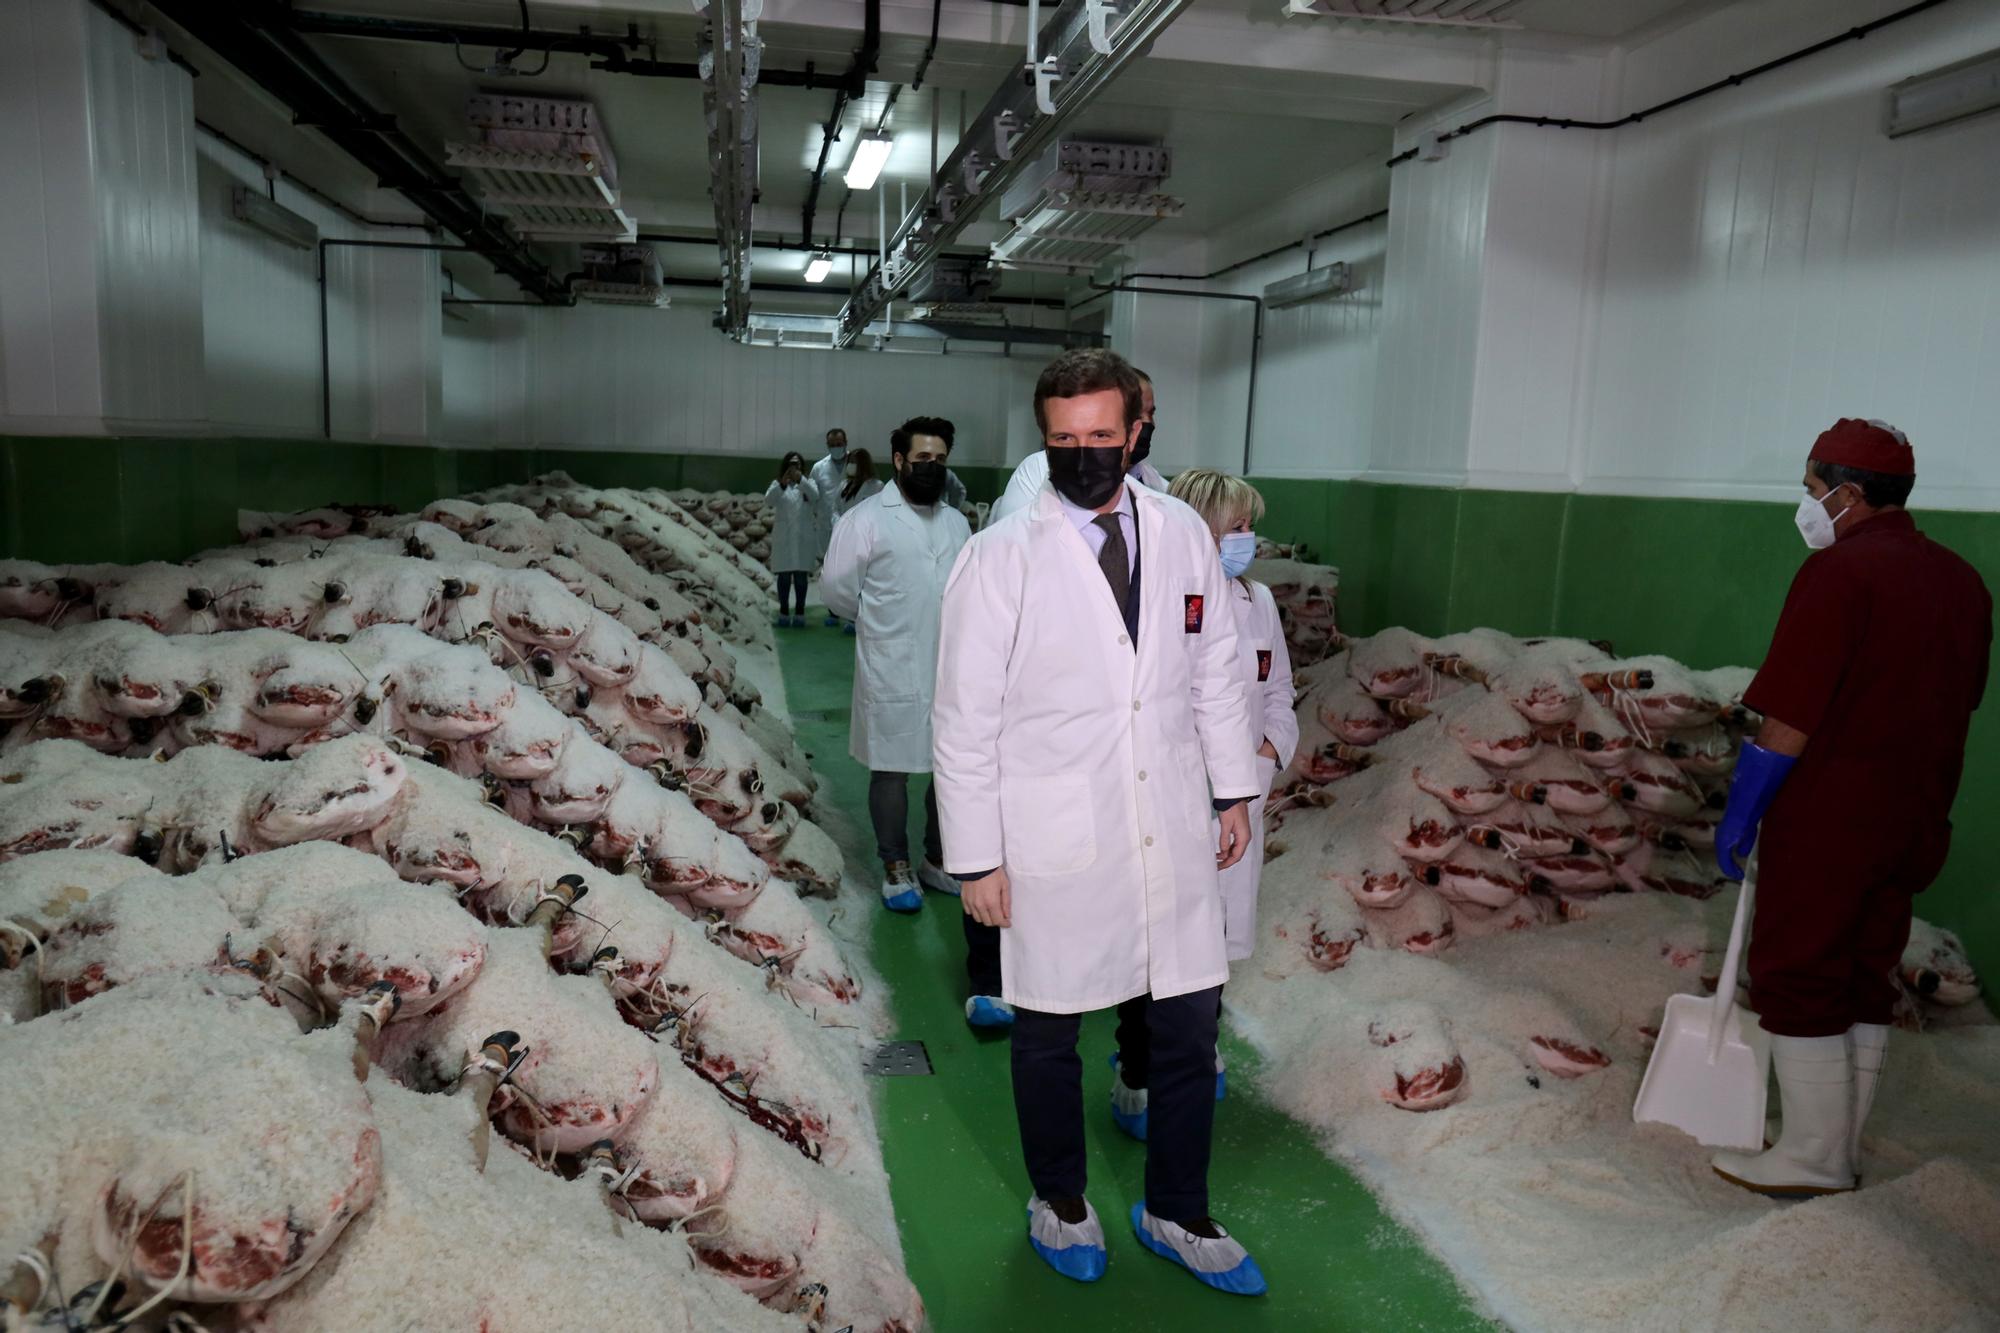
1813,523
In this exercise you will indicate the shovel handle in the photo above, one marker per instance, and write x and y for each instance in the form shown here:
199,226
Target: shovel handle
1725,986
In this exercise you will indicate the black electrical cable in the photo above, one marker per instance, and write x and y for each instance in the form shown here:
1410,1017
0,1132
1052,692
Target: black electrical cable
856,82
1335,230
1720,85
1104,289
937,13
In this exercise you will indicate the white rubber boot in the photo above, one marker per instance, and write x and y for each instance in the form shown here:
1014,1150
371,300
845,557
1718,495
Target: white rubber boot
1870,1042
1814,1152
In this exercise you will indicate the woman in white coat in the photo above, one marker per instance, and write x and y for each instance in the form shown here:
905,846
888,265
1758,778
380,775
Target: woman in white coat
1231,507
794,536
885,570
1091,723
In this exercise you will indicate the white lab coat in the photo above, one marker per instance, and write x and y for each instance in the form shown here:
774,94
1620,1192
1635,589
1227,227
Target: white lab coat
827,476
1267,671
1085,767
795,540
1031,478
842,506
885,571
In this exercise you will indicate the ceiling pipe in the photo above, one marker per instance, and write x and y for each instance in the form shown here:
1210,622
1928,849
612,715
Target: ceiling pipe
1274,251
1085,50
1104,289
1720,85
613,55
282,65
856,83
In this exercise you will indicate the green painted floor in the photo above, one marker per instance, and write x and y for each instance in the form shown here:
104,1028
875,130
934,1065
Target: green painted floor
1334,1260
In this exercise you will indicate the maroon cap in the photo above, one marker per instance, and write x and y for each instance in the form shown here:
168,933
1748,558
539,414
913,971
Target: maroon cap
1852,442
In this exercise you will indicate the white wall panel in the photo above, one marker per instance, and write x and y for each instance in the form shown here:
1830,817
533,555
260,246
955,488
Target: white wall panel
1774,262
148,239
260,308
1430,315
48,264
100,303
610,377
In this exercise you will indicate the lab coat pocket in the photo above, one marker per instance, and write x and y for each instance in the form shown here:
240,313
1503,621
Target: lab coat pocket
1048,825
1198,806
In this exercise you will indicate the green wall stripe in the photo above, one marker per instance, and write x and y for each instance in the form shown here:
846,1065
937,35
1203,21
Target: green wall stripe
1698,580
87,498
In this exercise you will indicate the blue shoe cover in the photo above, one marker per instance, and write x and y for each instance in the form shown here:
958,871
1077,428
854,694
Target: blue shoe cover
984,1011
909,900
1243,1278
1082,1262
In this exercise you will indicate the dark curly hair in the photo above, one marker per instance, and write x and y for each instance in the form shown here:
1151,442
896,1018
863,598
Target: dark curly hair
899,439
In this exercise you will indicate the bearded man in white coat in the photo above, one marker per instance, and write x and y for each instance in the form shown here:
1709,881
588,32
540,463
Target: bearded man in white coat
885,571
1090,717
1031,476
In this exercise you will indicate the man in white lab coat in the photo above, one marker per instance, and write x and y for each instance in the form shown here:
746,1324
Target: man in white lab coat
827,477
1031,476
885,571
1090,713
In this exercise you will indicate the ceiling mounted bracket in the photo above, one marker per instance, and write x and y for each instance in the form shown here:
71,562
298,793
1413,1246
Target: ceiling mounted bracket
1100,12
1006,133
970,172
1045,73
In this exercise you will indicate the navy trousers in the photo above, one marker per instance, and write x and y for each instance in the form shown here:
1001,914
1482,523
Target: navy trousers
1180,1113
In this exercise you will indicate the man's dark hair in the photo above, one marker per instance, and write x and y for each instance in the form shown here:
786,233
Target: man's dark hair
1083,370
899,439
1880,489
833,431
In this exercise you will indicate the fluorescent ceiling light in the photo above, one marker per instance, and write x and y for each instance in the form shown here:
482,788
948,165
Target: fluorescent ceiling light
1944,95
871,153
818,267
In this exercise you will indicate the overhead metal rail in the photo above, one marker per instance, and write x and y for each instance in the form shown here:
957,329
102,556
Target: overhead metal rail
1072,58
730,51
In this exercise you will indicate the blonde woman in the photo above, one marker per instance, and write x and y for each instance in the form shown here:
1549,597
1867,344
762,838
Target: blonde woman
1231,507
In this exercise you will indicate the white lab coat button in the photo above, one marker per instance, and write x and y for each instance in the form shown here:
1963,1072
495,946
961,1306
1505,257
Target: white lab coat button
1135,705
1123,639
1149,842
1142,775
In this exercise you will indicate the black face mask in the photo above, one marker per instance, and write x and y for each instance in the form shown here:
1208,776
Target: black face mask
1087,477
922,483
1144,445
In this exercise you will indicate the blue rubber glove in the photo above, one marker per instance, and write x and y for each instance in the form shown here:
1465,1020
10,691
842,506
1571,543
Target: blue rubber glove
1759,774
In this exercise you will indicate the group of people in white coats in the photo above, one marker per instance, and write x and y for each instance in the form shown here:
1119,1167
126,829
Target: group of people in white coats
1103,701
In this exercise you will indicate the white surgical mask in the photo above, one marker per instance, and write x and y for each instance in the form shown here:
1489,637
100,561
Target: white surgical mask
853,471
1238,550
1814,525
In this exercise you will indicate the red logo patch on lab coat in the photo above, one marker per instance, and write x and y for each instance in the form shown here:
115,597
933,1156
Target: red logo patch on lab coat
1263,664
1191,616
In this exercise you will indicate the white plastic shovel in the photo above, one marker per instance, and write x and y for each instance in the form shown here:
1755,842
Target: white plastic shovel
1711,1065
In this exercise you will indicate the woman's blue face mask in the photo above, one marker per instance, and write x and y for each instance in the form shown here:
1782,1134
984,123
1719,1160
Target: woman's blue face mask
1238,550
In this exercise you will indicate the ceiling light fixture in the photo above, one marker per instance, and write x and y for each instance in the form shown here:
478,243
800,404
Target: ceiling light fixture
818,267
871,153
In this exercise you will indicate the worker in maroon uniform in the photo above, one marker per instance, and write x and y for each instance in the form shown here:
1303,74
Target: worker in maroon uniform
1878,662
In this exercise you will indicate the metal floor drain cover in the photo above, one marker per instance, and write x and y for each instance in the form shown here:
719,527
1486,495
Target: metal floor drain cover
899,1059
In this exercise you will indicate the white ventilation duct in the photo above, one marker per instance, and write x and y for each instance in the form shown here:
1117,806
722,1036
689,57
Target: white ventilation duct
621,275
542,163
1082,202
1488,14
